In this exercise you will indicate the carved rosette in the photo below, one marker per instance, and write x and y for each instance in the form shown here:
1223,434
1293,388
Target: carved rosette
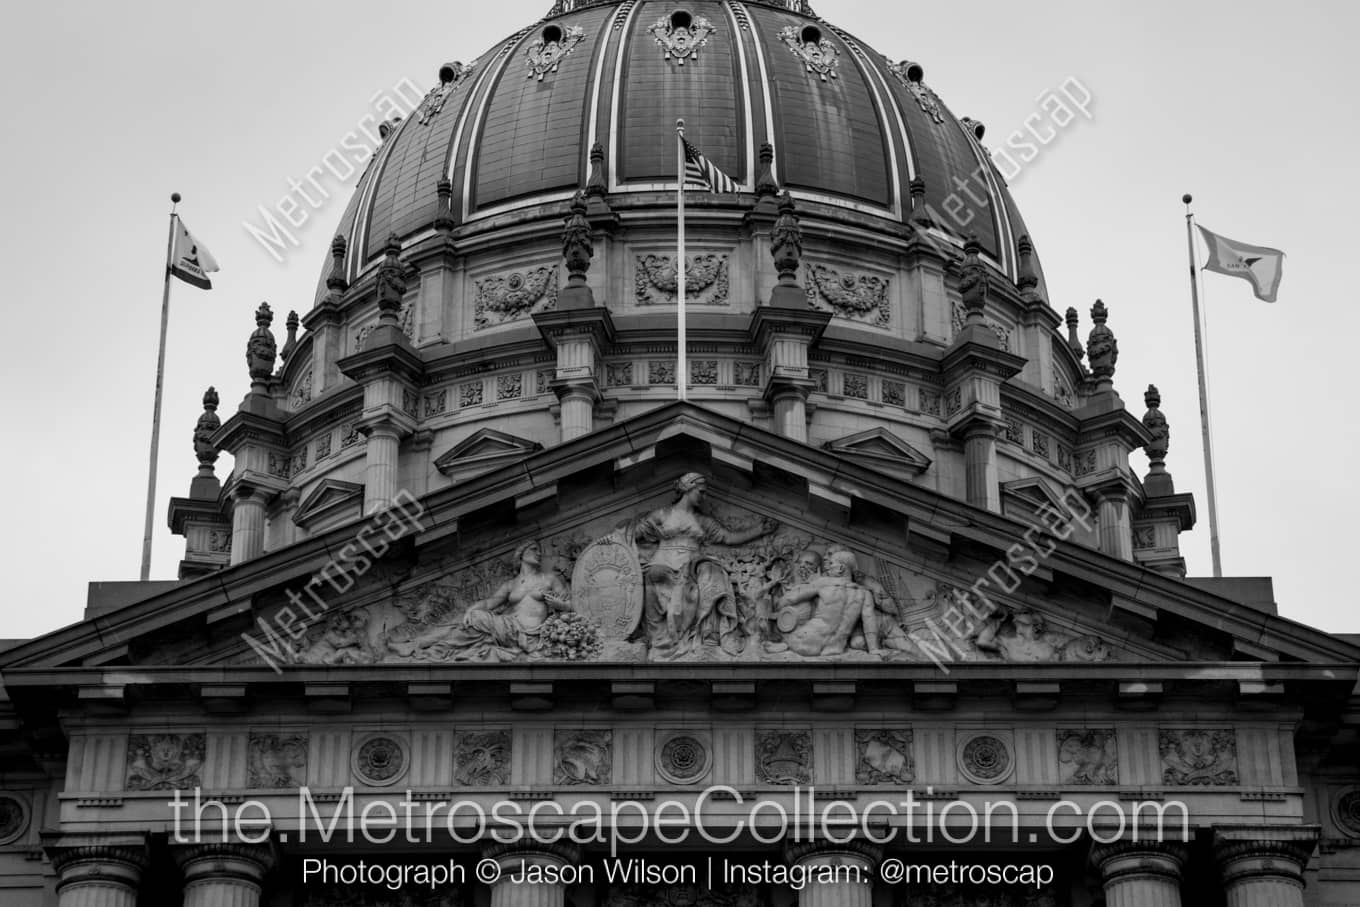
276,760
482,759
819,55
380,760
164,761
1196,756
509,297
985,759
14,817
1088,756
784,757
884,756
849,294
683,757
583,757
656,281
680,38
548,51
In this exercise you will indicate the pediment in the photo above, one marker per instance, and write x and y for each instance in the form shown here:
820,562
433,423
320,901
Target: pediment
331,498
483,451
602,507
879,448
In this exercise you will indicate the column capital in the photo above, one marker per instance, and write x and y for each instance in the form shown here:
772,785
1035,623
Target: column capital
99,860
224,860
1139,858
857,848
565,852
1280,853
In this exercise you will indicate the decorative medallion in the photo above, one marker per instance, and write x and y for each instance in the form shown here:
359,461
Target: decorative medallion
507,297
450,76
683,758
884,757
509,387
784,757
164,761
1346,811
470,394
747,374
1199,757
606,584
656,281
985,759
482,759
680,37
276,760
550,48
862,297
583,757
661,371
703,371
894,393
13,817
1088,756
817,53
910,75
380,760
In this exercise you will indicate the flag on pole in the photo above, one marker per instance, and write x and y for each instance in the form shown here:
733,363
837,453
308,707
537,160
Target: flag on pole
701,173
190,260
1260,265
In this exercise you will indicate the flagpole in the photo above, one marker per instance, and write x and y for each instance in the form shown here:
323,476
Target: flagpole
682,365
156,410
1203,391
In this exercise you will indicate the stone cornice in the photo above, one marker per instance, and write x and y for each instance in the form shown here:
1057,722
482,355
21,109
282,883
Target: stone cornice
262,425
394,358
556,325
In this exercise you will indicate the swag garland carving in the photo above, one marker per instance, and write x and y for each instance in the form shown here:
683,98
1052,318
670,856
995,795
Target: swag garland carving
506,297
862,297
706,279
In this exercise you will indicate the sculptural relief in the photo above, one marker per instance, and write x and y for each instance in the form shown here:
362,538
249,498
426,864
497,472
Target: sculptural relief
1023,635
1087,756
884,757
784,757
680,36
164,761
547,52
819,55
583,757
1196,756
13,818
657,282
276,760
380,760
861,297
507,297
986,759
683,758
482,759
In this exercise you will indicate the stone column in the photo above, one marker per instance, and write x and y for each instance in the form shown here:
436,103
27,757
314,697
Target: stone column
223,874
247,523
789,402
858,864
578,407
1116,531
982,485
99,872
515,859
381,457
1263,865
1140,873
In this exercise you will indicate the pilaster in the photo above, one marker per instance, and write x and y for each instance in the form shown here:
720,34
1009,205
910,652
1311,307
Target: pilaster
578,335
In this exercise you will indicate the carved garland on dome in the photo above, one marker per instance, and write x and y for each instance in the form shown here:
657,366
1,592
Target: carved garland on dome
507,297
434,100
681,42
820,56
545,54
706,279
927,99
863,297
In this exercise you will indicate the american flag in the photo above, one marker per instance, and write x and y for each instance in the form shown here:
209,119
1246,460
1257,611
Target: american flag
701,173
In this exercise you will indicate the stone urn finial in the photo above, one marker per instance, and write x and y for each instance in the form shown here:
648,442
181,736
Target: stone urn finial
1155,422
443,210
290,338
578,247
208,424
786,242
1026,280
335,281
974,284
766,187
1073,340
595,183
261,350
391,283
1101,347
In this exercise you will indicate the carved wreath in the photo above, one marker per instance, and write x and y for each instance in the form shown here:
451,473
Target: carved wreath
510,296
850,295
658,272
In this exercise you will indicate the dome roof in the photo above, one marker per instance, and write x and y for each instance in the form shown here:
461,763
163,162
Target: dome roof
513,130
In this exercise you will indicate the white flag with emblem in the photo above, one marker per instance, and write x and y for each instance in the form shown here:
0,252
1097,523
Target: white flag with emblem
190,260
1259,264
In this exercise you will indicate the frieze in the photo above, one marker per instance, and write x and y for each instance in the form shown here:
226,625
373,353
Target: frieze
680,36
1088,756
1013,431
656,281
323,446
746,374
1085,462
1039,443
302,391
548,51
661,371
410,403
470,394
436,403
894,393
819,379
884,756
509,387
164,761
583,757
276,761
618,374
1144,537
542,381
1196,756
930,403
784,757
349,435
1064,458
819,55
703,371
482,759
508,297
219,541
861,297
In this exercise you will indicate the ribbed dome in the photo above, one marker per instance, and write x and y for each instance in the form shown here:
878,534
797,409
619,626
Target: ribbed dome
513,130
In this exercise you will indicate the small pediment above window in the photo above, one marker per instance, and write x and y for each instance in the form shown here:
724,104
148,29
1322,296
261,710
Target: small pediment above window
880,449
482,451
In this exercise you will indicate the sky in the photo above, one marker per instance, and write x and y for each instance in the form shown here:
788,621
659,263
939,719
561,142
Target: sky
1247,105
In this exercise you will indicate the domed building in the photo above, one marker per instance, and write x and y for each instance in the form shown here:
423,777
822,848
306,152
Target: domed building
860,584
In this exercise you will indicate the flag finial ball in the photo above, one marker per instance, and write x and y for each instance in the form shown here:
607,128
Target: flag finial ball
174,197
1186,198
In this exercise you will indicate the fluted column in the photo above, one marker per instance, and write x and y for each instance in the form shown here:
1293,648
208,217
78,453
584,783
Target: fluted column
223,874
382,454
99,874
518,860
578,409
247,523
1263,866
982,484
1116,530
858,863
1140,873
789,403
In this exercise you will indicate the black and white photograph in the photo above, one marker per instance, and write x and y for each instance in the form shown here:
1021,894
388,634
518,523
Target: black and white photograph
679,453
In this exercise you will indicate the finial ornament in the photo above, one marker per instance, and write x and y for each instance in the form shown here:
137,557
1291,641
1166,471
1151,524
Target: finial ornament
1101,347
335,281
1155,422
261,350
1027,280
973,283
577,245
391,283
1073,341
290,339
786,241
208,424
443,213
595,185
766,187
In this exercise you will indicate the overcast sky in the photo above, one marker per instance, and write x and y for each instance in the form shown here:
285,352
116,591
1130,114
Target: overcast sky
111,106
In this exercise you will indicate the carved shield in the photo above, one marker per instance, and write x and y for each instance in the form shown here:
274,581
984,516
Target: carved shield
606,586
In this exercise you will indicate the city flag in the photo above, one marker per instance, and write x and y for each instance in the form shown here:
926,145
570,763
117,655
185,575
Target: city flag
1258,264
701,173
190,260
